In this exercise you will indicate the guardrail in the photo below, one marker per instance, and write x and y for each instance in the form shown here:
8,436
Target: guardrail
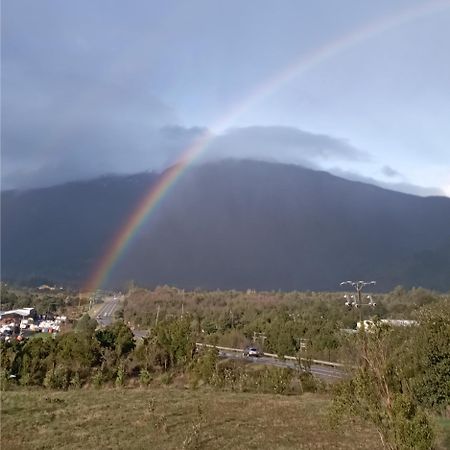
272,355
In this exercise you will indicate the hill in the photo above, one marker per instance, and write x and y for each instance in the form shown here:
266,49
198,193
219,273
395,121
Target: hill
232,224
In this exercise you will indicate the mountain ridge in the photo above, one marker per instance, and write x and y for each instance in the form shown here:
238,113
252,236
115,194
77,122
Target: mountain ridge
232,224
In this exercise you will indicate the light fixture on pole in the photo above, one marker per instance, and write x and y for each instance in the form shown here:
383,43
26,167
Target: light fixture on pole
352,302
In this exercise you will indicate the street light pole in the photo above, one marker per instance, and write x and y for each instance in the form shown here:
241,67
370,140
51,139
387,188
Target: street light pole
357,303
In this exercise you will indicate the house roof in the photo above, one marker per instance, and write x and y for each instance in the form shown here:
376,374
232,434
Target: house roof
20,312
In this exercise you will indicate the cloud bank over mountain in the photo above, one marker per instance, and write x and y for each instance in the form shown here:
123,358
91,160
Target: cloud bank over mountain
89,90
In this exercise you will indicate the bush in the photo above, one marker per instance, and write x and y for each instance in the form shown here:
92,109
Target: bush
204,366
57,378
97,378
5,380
167,378
145,377
75,381
120,376
242,377
309,383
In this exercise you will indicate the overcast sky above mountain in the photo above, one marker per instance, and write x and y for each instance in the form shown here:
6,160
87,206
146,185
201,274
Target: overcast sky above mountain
359,88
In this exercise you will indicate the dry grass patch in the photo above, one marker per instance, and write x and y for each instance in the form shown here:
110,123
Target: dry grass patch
172,418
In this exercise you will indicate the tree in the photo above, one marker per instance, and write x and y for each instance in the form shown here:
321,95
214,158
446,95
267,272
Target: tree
171,343
37,356
430,368
86,325
379,394
117,337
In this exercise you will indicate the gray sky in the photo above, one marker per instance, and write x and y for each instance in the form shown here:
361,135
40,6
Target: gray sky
93,87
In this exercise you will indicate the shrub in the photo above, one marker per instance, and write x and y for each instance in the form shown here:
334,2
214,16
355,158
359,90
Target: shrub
204,366
120,376
145,377
75,381
97,378
57,378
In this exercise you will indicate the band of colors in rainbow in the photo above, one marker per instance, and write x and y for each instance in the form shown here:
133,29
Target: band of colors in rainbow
157,192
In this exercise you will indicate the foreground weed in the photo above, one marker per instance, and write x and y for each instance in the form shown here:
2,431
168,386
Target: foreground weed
158,421
193,439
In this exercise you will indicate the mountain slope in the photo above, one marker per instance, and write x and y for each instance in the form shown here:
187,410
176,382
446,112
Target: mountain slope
233,224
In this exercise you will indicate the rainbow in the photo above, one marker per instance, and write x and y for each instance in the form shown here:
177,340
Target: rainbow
153,197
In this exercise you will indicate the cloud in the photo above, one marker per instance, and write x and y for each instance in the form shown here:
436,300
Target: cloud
59,133
90,138
404,187
86,151
74,103
390,172
122,134
284,144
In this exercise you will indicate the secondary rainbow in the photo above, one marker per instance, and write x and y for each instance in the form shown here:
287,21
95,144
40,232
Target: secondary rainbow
157,192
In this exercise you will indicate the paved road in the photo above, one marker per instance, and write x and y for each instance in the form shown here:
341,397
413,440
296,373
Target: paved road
329,373
105,315
140,334
325,372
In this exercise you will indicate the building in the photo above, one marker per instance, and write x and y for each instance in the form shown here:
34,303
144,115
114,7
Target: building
368,324
15,316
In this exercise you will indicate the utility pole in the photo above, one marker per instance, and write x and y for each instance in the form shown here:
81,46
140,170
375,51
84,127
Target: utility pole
357,303
351,301
261,336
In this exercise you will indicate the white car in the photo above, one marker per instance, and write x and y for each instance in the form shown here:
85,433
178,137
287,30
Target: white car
251,351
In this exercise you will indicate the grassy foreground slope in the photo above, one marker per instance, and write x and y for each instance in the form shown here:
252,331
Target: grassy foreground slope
172,418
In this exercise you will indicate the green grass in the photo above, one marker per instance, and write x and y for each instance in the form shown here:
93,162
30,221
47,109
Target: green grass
172,418
443,428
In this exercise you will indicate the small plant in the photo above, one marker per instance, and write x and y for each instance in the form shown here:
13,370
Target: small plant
151,406
276,380
56,378
160,423
5,380
97,378
145,377
49,379
25,379
193,438
167,378
75,381
120,376
308,383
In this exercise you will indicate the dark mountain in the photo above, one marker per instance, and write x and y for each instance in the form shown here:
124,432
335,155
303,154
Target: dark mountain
232,224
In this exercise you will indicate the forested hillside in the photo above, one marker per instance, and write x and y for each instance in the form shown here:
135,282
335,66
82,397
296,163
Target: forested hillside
232,224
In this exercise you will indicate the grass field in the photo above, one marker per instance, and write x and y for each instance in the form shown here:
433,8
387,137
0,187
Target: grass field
173,418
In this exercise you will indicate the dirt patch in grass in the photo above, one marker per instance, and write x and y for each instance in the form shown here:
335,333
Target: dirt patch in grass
172,418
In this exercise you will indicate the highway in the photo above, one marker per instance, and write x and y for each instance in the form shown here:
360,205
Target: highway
325,372
105,315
